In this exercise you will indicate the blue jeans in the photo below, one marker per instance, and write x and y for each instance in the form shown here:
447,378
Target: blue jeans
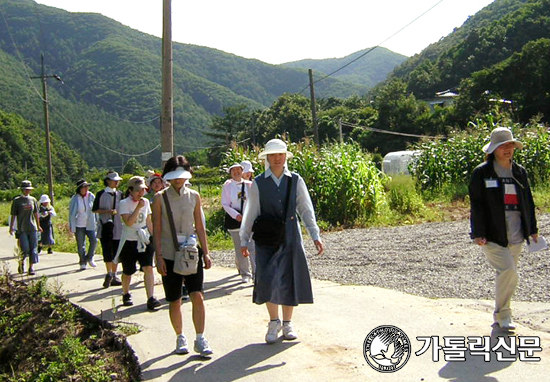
81,234
29,243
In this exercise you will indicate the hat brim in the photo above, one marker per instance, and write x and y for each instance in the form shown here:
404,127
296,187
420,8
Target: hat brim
178,174
489,148
234,166
116,178
265,153
26,188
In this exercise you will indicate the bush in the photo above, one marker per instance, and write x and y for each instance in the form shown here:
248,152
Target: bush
448,164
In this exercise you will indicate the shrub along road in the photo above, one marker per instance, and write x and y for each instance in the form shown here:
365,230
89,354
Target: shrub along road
331,331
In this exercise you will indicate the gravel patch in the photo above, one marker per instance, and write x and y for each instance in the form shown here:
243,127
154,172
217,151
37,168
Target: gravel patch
436,260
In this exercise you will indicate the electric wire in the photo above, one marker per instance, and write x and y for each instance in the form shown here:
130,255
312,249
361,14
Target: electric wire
210,147
99,143
375,130
374,47
20,56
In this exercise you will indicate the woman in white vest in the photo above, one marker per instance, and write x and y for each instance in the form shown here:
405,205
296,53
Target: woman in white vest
234,198
282,275
185,207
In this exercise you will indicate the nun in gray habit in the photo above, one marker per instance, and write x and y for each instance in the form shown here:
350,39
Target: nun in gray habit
282,275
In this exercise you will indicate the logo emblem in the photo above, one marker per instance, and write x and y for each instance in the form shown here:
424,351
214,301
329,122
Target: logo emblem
387,349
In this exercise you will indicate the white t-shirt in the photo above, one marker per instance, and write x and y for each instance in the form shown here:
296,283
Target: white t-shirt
128,206
83,205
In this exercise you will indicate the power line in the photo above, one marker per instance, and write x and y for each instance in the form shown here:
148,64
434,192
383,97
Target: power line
389,131
374,47
101,144
211,147
19,55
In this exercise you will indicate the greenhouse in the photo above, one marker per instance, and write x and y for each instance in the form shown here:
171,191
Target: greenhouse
397,162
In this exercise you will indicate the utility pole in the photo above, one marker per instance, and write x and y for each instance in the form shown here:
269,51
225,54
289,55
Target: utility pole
167,114
43,77
340,129
313,108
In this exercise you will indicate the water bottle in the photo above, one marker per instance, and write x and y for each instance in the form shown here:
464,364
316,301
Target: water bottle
191,241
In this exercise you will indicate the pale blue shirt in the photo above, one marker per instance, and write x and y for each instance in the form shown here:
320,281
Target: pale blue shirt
304,207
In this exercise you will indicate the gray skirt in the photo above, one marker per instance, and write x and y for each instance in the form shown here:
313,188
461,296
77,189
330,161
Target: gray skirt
282,274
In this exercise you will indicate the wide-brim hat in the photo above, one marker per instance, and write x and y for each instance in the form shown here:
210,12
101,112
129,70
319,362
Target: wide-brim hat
44,199
113,175
235,165
275,146
136,182
500,136
178,173
26,185
247,166
82,183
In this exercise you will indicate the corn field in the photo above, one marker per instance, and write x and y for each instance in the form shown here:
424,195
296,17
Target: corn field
345,185
449,162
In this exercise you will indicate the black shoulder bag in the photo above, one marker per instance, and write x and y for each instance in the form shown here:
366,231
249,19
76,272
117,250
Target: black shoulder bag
108,227
229,222
269,231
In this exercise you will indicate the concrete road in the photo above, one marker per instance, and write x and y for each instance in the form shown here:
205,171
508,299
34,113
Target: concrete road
331,332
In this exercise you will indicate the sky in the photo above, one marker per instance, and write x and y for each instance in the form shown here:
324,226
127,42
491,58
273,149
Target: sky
290,30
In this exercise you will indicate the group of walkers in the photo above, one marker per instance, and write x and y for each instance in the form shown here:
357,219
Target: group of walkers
262,217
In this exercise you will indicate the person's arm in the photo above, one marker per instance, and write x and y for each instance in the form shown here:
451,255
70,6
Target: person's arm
52,212
477,215
304,207
12,222
251,212
37,217
157,232
201,233
96,207
130,218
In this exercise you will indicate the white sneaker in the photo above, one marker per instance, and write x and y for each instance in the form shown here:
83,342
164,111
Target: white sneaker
246,279
82,267
202,347
288,331
92,263
181,345
273,329
507,324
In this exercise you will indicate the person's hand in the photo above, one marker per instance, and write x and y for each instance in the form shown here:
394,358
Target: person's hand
12,231
207,261
480,240
239,218
161,266
40,228
535,237
141,203
244,251
113,212
320,247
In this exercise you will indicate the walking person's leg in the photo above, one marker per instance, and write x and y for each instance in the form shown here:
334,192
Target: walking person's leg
80,235
33,251
288,328
504,261
92,238
274,326
25,250
242,263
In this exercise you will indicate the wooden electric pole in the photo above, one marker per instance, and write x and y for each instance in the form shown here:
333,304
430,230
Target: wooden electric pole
167,115
313,108
44,77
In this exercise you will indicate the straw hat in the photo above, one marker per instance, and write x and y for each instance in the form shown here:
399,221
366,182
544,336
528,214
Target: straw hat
26,185
136,182
178,173
112,176
500,136
275,146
